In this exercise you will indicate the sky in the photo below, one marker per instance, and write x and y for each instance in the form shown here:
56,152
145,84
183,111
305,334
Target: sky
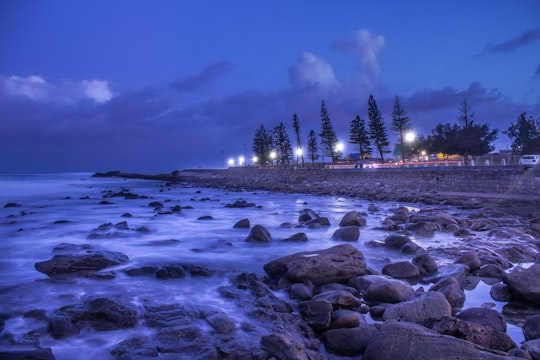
155,86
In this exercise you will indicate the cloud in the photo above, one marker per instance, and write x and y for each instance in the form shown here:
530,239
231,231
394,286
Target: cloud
37,88
528,37
209,74
97,90
311,71
367,45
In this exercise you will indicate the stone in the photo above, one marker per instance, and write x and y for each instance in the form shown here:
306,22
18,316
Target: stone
383,289
533,348
407,341
444,219
282,346
307,215
482,316
344,318
109,314
205,217
501,292
531,328
66,321
316,313
259,234
336,264
240,204
469,258
301,291
242,224
429,305
349,341
424,228
340,299
490,271
348,233
459,271
425,263
396,241
525,283
298,237
451,289
401,270
80,263
352,218
34,354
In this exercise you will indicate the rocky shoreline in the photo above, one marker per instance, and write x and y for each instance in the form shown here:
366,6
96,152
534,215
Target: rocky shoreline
331,304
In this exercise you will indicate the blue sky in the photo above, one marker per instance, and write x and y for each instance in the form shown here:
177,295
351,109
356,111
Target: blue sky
153,86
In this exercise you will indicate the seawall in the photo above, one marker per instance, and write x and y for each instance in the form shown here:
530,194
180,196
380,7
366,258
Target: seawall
504,182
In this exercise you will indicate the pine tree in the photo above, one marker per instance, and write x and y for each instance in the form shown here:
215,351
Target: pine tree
377,129
282,145
525,135
262,145
328,135
358,135
313,148
296,127
400,124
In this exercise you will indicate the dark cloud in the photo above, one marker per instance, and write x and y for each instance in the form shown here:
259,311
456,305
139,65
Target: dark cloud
205,77
528,37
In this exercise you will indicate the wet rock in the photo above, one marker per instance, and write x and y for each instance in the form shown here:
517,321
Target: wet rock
444,219
482,316
407,341
352,218
118,230
298,237
372,208
37,354
490,271
396,241
189,341
335,264
459,271
383,289
501,292
242,224
349,341
109,314
282,346
469,258
533,348
425,263
205,217
451,289
307,215
240,204
81,263
429,305
525,283
167,315
11,205
348,233
67,321
259,234
301,291
340,299
319,222
220,322
138,348
401,270
316,313
531,328
344,318
424,228
483,335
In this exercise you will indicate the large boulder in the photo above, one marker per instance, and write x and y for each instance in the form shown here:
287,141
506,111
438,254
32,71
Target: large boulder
349,341
531,328
352,218
81,263
259,234
426,306
451,289
401,270
335,264
426,263
483,316
375,289
340,299
407,341
347,233
525,283
316,313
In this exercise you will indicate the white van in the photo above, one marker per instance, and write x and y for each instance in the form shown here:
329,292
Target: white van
530,160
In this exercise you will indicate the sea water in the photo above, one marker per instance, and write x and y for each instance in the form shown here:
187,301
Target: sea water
47,210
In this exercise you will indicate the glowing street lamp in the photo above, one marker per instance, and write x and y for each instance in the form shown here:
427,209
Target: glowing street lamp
273,156
254,159
409,139
299,151
241,160
231,162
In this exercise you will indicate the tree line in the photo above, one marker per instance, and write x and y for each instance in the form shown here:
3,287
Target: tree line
465,137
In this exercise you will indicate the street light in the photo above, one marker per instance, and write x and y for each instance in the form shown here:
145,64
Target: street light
273,156
231,162
299,153
241,160
409,139
254,159
339,149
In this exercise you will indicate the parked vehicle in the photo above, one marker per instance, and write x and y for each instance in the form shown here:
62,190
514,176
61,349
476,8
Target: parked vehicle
530,160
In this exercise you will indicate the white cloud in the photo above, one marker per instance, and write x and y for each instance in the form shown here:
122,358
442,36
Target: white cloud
311,70
97,90
367,45
34,87
56,90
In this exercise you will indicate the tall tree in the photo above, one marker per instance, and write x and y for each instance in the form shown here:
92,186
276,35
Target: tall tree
473,139
282,145
328,135
296,127
377,129
400,124
262,145
313,148
444,139
525,135
358,135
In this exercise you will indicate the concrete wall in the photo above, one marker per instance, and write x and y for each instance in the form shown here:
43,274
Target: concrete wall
510,180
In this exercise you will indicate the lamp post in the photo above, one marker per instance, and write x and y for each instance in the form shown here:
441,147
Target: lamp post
409,139
273,156
299,153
